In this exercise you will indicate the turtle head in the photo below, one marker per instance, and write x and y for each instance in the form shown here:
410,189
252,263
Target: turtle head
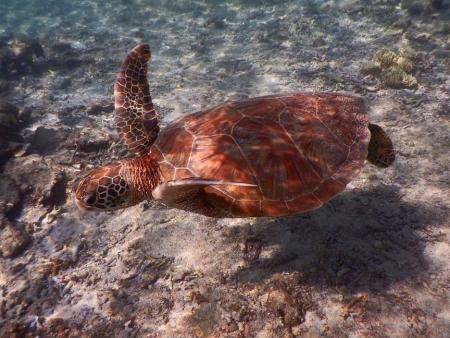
118,185
104,188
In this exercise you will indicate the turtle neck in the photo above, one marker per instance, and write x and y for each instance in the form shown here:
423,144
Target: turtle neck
143,175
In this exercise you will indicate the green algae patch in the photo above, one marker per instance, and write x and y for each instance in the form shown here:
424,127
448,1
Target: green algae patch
395,77
393,68
384,58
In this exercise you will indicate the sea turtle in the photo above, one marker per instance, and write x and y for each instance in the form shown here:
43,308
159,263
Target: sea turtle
266,156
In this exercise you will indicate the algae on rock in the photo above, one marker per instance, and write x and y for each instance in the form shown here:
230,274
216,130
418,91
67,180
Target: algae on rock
393,68
395,77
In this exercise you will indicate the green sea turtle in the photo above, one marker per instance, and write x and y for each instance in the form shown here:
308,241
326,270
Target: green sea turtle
267,156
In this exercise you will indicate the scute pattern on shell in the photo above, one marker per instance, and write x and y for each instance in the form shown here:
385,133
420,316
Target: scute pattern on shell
300,150
136,118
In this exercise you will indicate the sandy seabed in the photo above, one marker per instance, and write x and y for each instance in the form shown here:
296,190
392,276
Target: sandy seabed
374,262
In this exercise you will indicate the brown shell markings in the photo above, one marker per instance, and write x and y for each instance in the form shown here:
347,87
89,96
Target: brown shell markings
300,150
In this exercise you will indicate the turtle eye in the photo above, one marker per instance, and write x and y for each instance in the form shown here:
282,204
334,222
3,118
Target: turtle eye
90,198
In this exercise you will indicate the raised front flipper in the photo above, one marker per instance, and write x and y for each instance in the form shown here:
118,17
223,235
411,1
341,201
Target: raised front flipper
189,195
135,117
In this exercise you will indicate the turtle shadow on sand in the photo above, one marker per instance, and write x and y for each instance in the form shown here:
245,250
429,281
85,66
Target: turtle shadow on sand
362,241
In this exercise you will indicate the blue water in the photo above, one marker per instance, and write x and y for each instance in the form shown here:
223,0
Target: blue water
205,52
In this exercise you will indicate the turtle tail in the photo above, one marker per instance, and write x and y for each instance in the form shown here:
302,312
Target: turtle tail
381,150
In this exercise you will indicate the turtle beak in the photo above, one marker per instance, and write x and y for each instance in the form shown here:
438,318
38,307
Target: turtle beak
82,206
90,198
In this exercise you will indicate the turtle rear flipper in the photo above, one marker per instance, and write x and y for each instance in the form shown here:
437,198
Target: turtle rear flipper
381,151
135,117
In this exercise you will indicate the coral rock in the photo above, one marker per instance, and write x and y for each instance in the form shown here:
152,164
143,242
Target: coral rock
8,115
9,194
12,239
18,57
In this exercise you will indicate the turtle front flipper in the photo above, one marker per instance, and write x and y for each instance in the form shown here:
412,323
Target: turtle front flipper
381,150
135,117
189,195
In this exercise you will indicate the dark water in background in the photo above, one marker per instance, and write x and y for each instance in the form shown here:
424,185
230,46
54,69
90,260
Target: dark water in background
214,30
86,19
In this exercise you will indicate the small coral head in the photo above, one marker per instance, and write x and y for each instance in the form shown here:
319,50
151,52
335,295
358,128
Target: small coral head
104,189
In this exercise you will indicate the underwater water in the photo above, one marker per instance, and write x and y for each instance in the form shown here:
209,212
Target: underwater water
373,262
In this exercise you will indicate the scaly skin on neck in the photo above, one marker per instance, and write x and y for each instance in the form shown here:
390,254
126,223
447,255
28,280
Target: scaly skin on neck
143,175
